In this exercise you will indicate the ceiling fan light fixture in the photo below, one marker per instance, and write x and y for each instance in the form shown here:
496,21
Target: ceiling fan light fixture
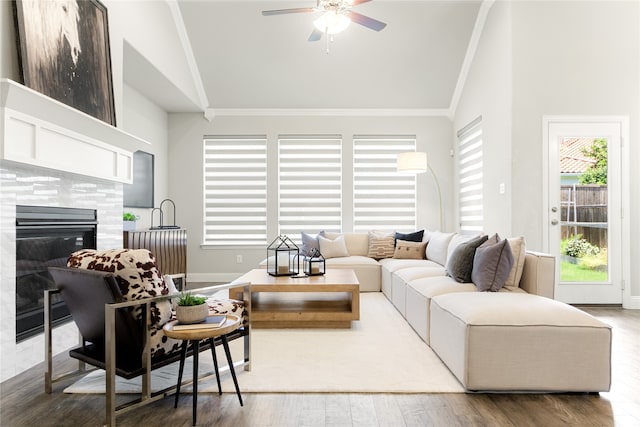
332,22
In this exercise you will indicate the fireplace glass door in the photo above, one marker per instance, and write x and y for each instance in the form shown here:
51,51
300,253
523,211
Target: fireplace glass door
45,237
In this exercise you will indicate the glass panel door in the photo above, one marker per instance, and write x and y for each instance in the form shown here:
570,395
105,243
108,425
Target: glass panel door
584,222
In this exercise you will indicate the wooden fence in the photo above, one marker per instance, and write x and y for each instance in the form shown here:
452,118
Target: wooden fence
584,211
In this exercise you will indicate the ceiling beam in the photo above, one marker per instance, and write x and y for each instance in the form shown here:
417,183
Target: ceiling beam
188,53
471,52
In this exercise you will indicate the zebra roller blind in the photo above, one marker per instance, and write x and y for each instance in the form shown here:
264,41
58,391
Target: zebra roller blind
309,184
383,198
470,187
235,190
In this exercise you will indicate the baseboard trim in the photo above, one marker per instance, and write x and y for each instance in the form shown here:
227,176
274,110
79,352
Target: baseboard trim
631,303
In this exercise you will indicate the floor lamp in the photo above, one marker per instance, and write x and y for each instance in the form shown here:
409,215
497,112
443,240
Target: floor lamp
415,162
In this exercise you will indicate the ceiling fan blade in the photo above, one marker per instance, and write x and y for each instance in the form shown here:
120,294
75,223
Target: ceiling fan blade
315,35
284,11
371,23
357,2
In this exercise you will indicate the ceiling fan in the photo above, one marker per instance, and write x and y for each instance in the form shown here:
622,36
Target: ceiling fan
336,17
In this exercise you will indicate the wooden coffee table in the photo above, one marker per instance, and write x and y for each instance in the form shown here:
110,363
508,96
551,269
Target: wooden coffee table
328,301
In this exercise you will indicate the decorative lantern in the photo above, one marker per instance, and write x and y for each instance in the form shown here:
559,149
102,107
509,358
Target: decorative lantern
282,257
314,264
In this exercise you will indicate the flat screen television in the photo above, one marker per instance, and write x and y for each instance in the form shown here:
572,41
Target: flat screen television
139,194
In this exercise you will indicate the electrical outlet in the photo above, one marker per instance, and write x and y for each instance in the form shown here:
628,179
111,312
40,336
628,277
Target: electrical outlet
238,259
501,188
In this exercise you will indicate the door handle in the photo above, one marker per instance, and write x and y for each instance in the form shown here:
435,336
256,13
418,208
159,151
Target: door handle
554,222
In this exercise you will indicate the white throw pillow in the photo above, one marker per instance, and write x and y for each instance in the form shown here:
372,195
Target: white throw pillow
437,247
333,248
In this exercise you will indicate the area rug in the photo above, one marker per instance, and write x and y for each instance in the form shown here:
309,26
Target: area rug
379,354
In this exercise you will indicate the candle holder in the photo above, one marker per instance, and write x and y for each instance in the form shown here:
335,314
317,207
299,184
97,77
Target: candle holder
282,257
314,264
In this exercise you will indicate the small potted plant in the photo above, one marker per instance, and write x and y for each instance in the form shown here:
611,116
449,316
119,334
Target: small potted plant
191,308
129,221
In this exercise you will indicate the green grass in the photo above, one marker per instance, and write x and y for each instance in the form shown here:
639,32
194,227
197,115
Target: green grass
574,273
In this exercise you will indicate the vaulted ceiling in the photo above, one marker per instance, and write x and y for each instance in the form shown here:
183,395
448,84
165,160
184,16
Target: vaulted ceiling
249,61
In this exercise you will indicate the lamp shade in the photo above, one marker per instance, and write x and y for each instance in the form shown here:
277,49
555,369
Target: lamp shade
332,22
412,162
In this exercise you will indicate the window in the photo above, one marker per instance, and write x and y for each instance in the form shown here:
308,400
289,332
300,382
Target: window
307,180
310,184
235,190
470,177
383,198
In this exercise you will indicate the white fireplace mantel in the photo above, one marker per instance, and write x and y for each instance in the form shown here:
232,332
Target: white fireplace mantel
40,131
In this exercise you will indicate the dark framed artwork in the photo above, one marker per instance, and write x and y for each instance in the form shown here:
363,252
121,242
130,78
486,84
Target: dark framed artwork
64,52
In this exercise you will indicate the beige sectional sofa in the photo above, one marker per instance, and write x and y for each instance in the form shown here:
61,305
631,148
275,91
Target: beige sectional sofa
516,339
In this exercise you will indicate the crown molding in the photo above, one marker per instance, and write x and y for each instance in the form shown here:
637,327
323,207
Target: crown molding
210,113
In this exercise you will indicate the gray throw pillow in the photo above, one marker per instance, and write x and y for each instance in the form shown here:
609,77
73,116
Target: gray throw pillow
460,263
491,265
309,242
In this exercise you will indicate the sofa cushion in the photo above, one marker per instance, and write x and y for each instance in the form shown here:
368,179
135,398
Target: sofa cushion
416,236
333,248
460,263
491,265
419,293
519,252
438,246
353,261
357,243
309,243
381,245
516,341
409,249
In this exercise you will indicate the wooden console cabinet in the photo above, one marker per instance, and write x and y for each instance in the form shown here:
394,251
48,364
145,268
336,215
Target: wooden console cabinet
168,245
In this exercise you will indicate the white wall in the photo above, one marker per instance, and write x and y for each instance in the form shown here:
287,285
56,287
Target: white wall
539,58
487,93
150,122
185,153
571,58
148,27
568,58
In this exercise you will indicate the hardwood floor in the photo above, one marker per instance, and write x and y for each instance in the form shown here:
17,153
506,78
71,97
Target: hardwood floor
24,403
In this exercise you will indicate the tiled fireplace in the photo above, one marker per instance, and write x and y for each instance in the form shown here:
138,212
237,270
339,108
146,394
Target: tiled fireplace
28,185
53,155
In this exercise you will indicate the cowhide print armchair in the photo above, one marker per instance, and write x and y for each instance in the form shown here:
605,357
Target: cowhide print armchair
120,302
